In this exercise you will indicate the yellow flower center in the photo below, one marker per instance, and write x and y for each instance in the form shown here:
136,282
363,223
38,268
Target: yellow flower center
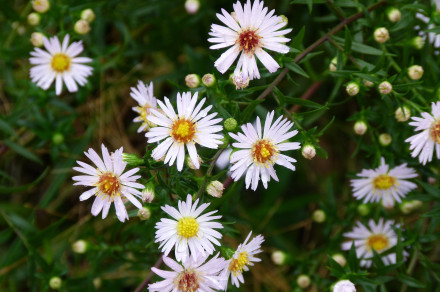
263,151
236,265
144,112
109,185
435,131
60,62
384,182
187,227
187,281
249,40
378,242
183,131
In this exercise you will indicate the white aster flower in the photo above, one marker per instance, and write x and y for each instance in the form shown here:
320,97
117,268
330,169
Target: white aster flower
243,257
379,237
193,275
109,182
424,143
188,231
59,63
190,126
143,94
344,286
253,30
261,150
384,184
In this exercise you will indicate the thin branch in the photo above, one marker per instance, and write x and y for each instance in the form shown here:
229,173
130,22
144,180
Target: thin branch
149,276
208,173
316,44
335,9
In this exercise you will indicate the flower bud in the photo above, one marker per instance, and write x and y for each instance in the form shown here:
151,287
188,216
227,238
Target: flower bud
215,189
148,193
284,19
416,204
88,15
40,5
402,114
37,39
55,283
132,159
190,164
352,88
33,18
381,35
415,72
344,286
360,127
333,64
363,209
368,83
308,151
278,257
418,42
240,82
431,180
318,216
97,283
192,6
385,87
385,139
230,124
394,14
144,213
192,80
81,27
406,207
303,281
340,259
80,246
208,80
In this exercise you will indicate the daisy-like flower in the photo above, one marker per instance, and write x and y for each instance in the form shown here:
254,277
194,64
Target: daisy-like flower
190,126
251,30
243,257
110,183
188,230
424,143
379,237
261,150
384,184
194,275
143,94
59,63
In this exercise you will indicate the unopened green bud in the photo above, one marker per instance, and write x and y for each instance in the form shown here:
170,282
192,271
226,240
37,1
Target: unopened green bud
82,27
418,42
363,209
88,15
208,80
37,39
33,19
402,114
303,281
340,259
192,6
308,151
352,88
144,213
381,35
230,124
55,283
192,80
385,139
368,83
97,283
360,127
215,189
318,216
385,87
415,72
148,193
278,257
394,14
40,5
333,64
58,138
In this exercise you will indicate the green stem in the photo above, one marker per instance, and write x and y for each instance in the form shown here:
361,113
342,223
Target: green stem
208,173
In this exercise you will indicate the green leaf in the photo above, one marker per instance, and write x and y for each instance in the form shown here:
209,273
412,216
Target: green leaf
303,102
433,191
348,41
22,151
249,110
410,281
320,133
352,259
6,128
297,69
9,190
298,39
361,48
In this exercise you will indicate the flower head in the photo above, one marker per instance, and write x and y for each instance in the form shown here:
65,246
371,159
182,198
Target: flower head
110,183
190,126
379,237
344,286
384,184
59,63
193,275
143,94
243,257
251,31
261,150
424,143
188,231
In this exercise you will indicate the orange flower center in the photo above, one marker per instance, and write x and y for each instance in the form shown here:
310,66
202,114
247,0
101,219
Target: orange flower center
187,281
435,131
109,184
263,151
378,242
249,40
60,62
183,131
